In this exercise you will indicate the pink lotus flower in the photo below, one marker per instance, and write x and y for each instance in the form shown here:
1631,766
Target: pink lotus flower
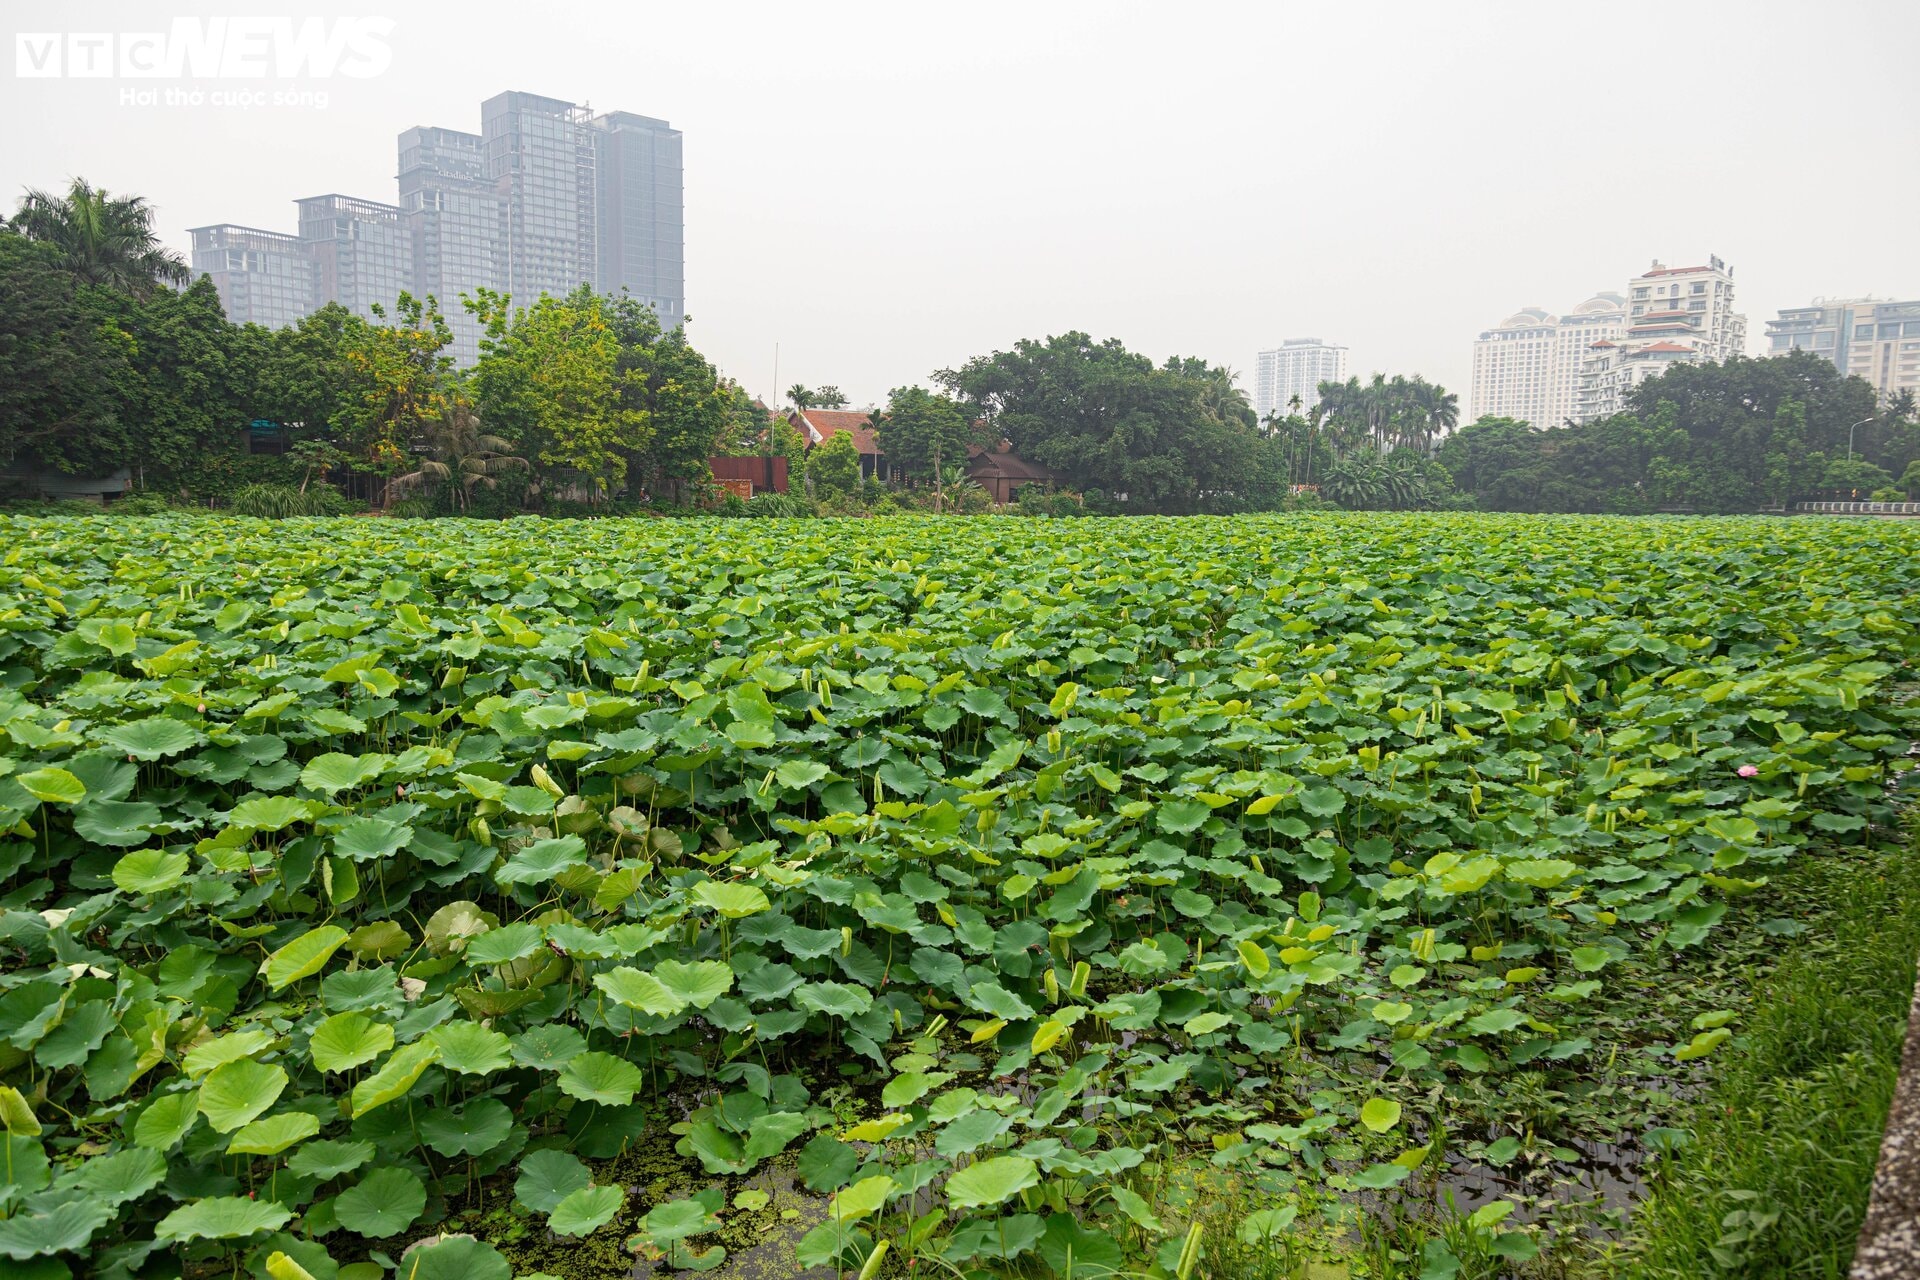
1748,770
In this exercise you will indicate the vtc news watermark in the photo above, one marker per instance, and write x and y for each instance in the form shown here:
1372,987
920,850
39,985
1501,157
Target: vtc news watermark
240,50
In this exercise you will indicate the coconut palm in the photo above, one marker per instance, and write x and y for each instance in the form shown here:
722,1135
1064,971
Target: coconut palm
101,238
462,456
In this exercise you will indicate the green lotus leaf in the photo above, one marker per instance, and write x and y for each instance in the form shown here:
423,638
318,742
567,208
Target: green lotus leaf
585,1211
474,1129
236,1092
1380,1114
677,1220
52,786
116,823
840,999
270,813
329,1158
166,1120
601,1077
734,901
271,1136
154,738
457,1258
222,1218
543,860
504,945
149,871
334,772
385,1201
471,1049
63,1228
395,1078
123,1175
697,984
993,1181
305,956
348,1040
548,1177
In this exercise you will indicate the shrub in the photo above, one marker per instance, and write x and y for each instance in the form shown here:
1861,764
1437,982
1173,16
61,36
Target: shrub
148,503
779,505
280,501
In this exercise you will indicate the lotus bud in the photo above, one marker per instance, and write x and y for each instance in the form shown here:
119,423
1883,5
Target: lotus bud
543,780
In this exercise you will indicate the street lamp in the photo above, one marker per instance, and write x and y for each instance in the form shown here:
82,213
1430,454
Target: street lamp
1863,422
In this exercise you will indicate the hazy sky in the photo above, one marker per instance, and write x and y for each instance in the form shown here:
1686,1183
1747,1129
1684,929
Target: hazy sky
887,189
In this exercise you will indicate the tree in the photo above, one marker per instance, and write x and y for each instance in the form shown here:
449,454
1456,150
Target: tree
1910,480
101,239
834,466
57,366
923,433
461,456
828,397
801,397
1739,436
1156,438
550,380
680,397
397,377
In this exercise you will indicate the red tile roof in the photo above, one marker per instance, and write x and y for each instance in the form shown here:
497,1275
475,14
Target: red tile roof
1676,271
1662,347
818,424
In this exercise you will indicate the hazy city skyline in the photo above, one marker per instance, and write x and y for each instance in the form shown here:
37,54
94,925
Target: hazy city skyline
885,192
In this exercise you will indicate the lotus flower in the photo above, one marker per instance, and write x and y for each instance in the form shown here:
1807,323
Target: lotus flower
1748,770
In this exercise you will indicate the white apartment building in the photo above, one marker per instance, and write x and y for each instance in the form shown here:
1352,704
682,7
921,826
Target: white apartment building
1528,366
1296,367
1866,337
1675,315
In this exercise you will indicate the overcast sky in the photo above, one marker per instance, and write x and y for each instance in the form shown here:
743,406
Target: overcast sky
888,189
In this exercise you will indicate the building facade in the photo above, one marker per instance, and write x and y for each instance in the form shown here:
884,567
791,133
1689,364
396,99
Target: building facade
453,216
641,232
545,198
1865,337
540,154
263,277
1528,366
1675,315
362,254
1295,369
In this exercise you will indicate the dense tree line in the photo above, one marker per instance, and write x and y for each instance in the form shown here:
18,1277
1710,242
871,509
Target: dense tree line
1746,435
111,358
104,366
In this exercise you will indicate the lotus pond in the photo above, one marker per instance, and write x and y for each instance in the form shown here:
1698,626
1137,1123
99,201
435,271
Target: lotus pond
990,897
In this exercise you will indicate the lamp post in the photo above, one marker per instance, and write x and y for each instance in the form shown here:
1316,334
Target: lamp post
1850,430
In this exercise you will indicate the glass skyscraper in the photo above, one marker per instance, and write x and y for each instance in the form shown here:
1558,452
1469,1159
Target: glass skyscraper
362,254
642,231
263,277
545,198
455,217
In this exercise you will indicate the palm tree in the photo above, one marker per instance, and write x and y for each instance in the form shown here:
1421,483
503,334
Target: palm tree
101,238
458,451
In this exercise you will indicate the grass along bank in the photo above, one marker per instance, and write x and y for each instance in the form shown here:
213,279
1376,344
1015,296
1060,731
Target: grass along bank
1776,1179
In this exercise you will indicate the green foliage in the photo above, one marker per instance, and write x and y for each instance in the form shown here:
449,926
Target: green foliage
1108,418
833,468
282,501
924,434
1772,1175
391,880
1740,436
100,239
